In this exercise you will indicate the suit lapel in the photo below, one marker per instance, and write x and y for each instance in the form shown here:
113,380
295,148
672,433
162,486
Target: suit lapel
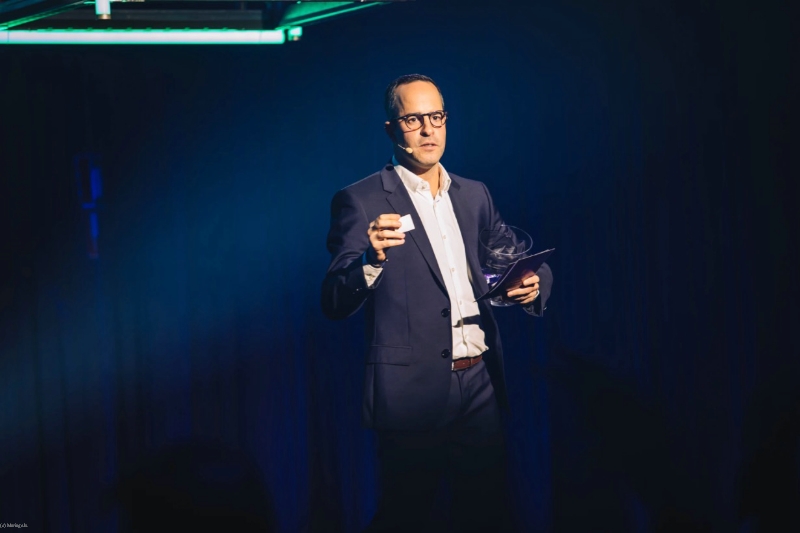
468,224
401,202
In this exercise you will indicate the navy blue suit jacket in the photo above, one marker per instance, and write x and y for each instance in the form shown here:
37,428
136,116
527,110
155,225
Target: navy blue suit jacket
409,333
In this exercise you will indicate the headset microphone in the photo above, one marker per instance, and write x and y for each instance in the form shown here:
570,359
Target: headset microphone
407,149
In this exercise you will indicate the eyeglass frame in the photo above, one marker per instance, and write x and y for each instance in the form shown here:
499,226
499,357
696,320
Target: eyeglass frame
422,119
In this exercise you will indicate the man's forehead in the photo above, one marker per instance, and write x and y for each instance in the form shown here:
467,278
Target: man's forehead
418,94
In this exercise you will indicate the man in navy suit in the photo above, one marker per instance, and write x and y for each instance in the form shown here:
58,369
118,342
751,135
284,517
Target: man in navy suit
405,244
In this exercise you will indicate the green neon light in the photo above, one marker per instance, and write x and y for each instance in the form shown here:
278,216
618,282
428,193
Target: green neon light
40,15
307,12
142,37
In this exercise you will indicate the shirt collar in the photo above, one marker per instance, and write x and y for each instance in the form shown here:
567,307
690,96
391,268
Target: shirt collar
414,183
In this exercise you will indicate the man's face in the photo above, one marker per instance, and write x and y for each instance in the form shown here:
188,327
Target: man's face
427,142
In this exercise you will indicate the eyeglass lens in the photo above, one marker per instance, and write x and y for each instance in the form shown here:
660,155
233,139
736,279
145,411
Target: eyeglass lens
415,121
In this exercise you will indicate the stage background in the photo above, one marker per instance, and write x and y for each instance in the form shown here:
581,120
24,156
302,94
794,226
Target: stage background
649,142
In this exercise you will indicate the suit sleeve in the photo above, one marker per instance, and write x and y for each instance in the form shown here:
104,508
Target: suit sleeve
344,289
537,307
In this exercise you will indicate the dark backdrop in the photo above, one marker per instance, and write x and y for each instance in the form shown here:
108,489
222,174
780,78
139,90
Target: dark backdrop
650,143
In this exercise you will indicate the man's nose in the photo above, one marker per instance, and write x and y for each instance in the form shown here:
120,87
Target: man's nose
427,127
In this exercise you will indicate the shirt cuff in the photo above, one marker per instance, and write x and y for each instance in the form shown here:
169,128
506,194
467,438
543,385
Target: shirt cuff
535,307
371,272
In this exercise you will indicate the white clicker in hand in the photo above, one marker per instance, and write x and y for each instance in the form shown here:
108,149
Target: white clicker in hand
406,224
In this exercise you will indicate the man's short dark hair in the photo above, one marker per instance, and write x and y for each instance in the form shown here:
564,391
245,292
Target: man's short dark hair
390,103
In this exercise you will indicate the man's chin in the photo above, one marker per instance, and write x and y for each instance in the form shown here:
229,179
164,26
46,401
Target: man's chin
419,164
429,160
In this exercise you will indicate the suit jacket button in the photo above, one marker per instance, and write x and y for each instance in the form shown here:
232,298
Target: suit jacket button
445,312
445,353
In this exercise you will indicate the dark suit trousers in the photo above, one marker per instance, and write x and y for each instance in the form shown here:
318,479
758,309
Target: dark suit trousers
466,450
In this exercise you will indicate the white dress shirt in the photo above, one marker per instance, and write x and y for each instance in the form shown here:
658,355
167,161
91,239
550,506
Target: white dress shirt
441,227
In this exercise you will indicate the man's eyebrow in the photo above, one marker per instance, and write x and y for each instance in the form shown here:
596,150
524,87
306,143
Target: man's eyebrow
422,113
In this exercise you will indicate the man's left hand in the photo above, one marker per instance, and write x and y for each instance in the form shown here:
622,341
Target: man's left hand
527,293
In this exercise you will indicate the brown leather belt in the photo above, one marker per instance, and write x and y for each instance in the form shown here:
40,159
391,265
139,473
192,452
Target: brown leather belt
466,362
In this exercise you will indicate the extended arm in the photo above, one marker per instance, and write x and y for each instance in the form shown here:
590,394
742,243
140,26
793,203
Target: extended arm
358,250
344,289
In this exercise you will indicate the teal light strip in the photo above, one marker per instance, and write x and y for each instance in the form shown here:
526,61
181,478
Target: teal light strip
43,14
142,37
304,13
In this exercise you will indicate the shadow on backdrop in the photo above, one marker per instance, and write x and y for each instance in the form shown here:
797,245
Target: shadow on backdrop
616,452
193,487
769,488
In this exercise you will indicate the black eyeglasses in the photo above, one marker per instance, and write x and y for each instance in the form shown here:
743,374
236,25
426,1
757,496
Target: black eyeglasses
414,121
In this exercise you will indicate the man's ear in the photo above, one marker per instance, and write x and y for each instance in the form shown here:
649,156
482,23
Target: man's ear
387,127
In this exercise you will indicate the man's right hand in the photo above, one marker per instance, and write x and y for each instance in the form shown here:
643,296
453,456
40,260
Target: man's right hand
383,235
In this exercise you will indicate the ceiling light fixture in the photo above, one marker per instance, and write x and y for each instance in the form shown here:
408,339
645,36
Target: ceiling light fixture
171,36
